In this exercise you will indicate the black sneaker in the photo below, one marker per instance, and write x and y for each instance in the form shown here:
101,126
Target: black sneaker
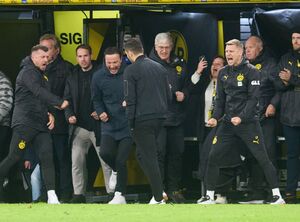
277,200
78,199
253,198
290,198
176,197
205,200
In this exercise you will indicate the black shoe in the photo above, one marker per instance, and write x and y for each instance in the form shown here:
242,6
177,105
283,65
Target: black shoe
253,198
290,198
277,200
176,197
78,199
65,198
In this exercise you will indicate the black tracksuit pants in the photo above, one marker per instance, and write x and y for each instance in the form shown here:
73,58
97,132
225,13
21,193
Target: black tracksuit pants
171,147
251,135
145,135
115,153
41,142
257,178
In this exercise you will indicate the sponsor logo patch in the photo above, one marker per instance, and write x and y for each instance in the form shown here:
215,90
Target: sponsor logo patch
255,83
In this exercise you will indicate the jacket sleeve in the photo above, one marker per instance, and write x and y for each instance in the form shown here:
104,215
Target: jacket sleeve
69,111
274,78
6,97
279,85
33,83
295,79
97,95
220,100
253,85
130,94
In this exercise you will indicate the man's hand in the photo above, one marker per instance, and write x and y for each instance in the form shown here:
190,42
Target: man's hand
64,105
201,66
270,111
51,121
103,117
27,165
212,122
72,120
179,96
285,75
236,120
94,115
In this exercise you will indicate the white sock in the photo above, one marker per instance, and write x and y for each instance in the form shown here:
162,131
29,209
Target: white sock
211,194
276,191
51,192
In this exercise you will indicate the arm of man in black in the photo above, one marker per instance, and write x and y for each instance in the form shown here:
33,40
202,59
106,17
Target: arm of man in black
69,111
130,95
33,83
220,98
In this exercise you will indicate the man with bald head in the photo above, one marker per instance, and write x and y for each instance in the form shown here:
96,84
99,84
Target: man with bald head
32,120
268,104
289,74
235,113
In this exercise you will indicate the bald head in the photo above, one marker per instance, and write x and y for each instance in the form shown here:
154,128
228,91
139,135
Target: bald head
253,47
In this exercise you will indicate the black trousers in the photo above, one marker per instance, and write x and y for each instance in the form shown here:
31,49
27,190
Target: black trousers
251,135
145,136
257,179
62,163
170,150
115,153
41,142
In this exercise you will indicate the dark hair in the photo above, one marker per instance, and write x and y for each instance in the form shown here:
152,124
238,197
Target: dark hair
39,47
51,37
220,57
112,50
134,45
84,46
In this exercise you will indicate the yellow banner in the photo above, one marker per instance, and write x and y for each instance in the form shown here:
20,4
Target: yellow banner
129,2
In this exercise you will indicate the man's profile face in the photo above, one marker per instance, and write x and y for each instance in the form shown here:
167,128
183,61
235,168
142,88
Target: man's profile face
296,41
40,59
52,51
84,58
233,55
113,63
163,50
252,49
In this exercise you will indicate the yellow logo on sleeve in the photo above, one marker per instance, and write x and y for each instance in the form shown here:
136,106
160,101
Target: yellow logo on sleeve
22,145
215,140
46,78
240,77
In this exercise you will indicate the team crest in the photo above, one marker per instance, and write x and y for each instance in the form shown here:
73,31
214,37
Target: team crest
215,140
240,77
258,66
179,69
22,145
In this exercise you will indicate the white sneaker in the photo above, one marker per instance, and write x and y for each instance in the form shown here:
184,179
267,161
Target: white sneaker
206,200
52,198
277,200
118,199
221,199
112,181
153,201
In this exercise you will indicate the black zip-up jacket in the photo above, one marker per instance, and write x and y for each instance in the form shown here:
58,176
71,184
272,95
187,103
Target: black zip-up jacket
146,90
290,98
108,96
177,79
32,97
57,72
71,94
267,67
238,93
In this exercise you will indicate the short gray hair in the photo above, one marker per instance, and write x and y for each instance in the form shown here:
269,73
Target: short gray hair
163,36
235,42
